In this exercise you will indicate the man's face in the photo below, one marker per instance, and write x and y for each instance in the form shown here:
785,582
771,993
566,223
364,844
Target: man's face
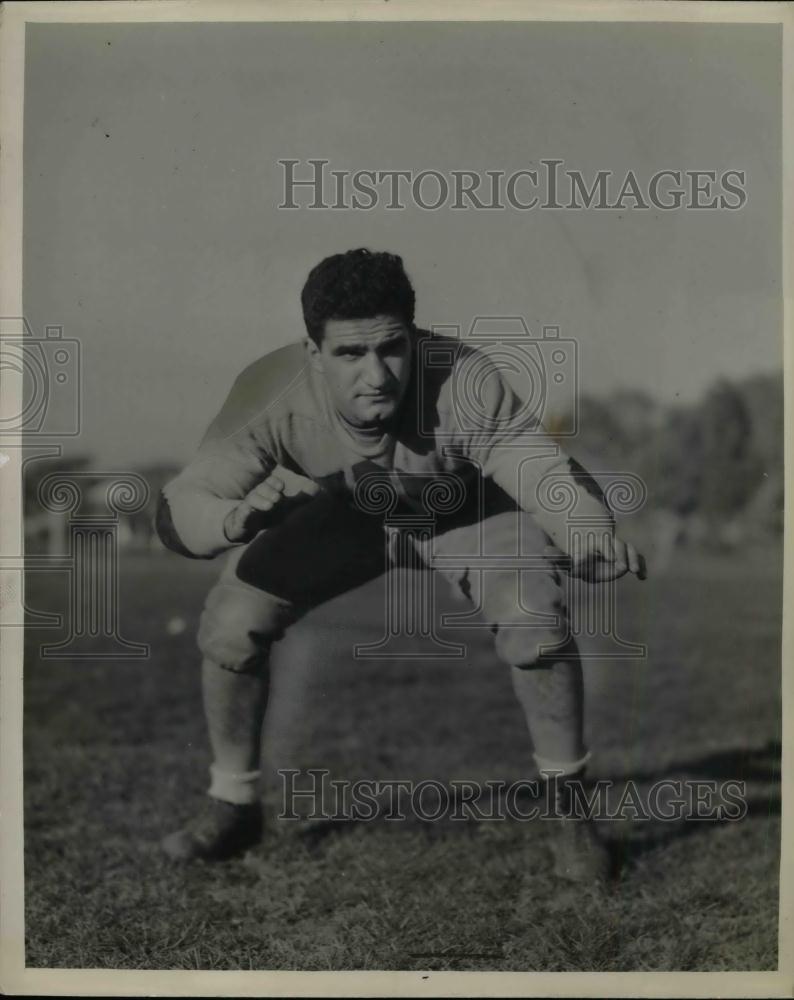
366,364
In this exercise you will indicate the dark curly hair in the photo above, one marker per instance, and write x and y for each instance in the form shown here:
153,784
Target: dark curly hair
356,285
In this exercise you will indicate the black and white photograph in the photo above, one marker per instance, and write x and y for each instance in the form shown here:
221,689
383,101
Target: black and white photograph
393,485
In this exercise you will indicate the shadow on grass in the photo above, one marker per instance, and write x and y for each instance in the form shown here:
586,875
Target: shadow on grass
626,839
758,768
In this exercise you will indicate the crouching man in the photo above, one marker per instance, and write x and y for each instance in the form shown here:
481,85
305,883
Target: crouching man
284,480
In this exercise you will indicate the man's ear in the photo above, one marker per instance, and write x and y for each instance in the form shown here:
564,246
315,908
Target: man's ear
314,355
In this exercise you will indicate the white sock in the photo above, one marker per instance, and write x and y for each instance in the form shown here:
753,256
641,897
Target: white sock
559,769
557,775
240,788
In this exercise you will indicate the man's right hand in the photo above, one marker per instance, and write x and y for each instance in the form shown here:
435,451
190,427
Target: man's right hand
267,503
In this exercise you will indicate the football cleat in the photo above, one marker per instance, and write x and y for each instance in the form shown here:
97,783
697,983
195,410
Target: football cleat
221,830
579,854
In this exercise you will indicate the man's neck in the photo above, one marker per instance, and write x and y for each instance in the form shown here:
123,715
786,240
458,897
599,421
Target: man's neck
371,432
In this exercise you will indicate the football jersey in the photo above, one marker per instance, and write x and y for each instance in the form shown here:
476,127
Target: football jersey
459,422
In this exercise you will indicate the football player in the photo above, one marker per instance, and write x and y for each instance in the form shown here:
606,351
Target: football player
281,481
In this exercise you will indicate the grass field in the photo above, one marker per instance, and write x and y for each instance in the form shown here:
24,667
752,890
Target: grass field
115,756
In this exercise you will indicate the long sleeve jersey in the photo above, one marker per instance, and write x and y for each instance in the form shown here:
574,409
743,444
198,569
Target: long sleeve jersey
459,416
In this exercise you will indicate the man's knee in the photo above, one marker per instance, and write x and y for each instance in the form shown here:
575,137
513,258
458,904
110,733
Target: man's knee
529,612
239,624
527,647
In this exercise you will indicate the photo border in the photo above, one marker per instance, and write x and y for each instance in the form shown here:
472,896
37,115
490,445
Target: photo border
14,977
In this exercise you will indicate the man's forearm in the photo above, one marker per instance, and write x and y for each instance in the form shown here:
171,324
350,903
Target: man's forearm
193,525
586,512
193,507
558,492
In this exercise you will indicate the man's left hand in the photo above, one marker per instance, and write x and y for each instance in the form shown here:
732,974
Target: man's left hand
606,558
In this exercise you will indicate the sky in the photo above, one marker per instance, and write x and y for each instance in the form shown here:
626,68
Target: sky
152,232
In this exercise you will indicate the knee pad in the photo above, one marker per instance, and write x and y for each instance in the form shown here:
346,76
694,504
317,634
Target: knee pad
239,624
524,647
513,602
